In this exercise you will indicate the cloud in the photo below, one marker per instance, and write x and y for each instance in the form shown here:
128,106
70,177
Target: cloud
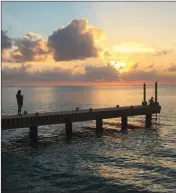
150,66
76,41
30,48
135,66
22,75
139,75
54,74
172,68
151,75
6,41
16,73
166,51
163,52
5,55
90,74
107,53
6,44
104,73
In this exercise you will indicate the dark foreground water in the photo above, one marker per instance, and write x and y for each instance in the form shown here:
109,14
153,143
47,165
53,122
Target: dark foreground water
143,160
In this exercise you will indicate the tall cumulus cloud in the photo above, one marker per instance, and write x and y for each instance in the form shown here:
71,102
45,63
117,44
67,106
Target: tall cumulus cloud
76,41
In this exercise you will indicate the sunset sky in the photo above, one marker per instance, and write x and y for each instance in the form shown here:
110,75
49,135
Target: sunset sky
88,43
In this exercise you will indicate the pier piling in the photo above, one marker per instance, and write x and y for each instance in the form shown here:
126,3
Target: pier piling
124,124
148,121
99,126
33,133
68,129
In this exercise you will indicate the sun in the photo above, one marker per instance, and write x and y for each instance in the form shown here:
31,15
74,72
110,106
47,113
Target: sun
118,65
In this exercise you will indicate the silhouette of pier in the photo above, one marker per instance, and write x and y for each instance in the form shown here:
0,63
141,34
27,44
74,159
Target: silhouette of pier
32,121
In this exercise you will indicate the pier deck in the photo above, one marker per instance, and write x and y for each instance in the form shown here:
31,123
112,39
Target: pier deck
30,120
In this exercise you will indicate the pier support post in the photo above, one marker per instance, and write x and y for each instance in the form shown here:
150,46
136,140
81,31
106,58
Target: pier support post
99,126
68,129
124,124
148,121
33,133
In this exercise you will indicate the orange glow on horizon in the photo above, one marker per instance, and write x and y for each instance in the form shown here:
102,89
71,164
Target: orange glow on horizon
120,83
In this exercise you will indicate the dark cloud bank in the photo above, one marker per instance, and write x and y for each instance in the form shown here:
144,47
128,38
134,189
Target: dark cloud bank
92,74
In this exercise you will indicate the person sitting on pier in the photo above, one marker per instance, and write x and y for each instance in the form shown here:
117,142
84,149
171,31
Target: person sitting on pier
19,98
151,101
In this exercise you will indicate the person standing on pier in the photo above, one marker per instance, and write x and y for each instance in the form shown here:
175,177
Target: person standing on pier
19,98
151,101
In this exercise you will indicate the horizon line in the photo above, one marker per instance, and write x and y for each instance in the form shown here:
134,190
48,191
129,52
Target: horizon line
84,85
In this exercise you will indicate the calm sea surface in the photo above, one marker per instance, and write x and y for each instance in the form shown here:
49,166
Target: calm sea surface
143,160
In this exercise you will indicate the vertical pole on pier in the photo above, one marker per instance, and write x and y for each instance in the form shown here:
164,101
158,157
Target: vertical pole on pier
156,96
148,121
144,95
144,92
68,129
99,126
156,92
33,133
124,124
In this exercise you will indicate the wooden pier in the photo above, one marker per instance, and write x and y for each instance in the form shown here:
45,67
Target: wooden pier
32,121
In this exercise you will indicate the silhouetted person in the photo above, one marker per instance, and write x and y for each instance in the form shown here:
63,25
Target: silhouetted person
19,98
151,101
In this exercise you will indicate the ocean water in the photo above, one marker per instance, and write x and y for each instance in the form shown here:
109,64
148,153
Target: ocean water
142,160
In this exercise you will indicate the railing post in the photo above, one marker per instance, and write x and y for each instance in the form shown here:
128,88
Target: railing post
99,126
124,124
68,129
33,133
148,121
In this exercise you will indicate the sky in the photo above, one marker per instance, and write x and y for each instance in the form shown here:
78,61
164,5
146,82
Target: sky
88,43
